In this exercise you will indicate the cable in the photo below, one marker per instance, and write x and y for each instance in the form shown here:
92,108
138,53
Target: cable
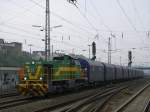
136,11
62,18
12,27
20,35
74,35
37,4
129,20
22,30
98,13
19,29
15,16
42,8
124,12
85,17
39,39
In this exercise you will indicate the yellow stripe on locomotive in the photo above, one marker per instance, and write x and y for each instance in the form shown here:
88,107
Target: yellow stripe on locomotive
68,73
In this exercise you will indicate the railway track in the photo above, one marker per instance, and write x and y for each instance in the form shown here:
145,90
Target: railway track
9,95
16,102
128,102
93,103
7,103
67,102
74,105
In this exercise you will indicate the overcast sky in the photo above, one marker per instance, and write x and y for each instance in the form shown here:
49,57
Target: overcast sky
127,20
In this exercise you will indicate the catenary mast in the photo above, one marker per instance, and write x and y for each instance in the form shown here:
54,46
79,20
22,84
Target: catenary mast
47,31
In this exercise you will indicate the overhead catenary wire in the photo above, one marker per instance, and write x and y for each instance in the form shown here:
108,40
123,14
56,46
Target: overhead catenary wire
85,17
68,28
15,16
96,11
17,28
39,39
35,34
62,18
20,29
44,7
138,14
56,15
129,20
125,14
100,16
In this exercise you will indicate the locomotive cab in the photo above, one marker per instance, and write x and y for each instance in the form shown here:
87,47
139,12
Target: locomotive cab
35,79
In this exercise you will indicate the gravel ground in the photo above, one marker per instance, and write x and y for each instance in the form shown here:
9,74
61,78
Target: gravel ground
123,96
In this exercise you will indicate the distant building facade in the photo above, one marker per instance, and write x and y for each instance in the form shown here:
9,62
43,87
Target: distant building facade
41,55
11,48
38,55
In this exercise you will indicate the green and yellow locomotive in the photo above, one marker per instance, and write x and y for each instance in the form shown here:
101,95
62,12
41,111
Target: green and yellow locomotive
64,72
42,77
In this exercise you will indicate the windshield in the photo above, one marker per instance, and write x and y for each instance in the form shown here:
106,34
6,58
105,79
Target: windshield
58,58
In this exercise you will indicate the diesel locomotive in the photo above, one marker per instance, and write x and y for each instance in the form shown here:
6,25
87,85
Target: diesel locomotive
65,72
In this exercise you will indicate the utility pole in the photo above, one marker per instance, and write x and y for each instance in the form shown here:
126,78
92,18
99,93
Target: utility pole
47,32
109,51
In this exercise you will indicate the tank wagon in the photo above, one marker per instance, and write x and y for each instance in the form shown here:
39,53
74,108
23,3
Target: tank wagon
65,72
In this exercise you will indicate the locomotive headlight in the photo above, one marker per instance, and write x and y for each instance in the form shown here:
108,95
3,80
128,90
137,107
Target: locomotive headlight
25,78
33,62
41,78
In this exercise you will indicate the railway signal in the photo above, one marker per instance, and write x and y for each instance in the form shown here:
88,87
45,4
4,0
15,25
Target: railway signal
94,50
130,58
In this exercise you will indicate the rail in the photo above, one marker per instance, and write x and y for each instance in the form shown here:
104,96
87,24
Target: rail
131,99
147,107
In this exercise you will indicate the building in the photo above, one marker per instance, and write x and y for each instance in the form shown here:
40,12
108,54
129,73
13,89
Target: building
38,55
41,55
11,48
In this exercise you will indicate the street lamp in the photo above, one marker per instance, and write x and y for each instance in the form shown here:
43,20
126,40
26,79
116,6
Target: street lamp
43,29
47,44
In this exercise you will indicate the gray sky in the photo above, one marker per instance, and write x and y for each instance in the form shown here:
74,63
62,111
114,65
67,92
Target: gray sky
82,24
